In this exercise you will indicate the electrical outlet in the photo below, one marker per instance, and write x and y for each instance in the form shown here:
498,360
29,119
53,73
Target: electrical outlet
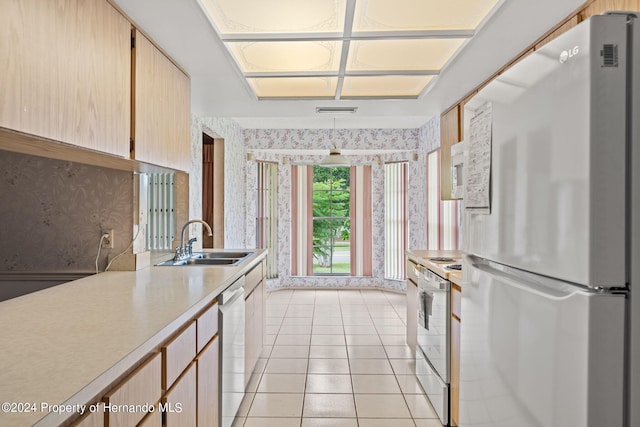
107,242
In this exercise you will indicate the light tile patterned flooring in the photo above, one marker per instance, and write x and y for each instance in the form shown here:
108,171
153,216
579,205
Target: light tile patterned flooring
335,358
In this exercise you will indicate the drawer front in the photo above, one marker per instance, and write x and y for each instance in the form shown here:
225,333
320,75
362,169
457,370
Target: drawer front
412,271
177,354
207,326
456,300
253,278
142,387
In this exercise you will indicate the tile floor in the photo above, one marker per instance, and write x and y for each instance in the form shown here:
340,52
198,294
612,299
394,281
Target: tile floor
335,358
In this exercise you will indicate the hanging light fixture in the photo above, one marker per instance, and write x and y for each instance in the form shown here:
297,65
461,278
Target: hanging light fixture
335,158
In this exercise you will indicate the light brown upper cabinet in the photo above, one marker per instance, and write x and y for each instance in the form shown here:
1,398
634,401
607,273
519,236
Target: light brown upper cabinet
601,6
162,112
66,72
450,133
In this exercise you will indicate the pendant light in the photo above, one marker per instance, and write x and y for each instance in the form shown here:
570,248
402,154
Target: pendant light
335,158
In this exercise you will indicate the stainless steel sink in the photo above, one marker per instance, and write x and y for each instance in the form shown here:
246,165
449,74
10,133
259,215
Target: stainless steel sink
210,258
220,255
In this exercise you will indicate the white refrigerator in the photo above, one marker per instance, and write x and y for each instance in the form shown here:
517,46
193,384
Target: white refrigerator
549,327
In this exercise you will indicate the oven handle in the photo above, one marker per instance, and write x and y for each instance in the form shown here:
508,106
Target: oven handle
432,282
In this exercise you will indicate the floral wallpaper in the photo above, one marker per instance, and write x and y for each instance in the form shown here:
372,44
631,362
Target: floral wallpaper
235,178
244,147
52,213
279,145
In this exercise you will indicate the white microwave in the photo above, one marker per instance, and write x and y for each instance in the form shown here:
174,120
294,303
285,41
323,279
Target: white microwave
457,170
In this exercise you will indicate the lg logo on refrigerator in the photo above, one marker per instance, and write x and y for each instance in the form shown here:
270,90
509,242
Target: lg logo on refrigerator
568,54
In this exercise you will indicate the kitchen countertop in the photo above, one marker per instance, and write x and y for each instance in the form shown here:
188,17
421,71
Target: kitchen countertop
67,344
421,257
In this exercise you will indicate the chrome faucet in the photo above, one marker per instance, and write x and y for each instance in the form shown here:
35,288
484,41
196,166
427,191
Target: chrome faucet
183,251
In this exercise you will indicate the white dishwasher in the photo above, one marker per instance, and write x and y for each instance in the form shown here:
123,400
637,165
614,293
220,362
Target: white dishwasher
231,303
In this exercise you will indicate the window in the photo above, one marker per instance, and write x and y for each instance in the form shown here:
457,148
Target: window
331,220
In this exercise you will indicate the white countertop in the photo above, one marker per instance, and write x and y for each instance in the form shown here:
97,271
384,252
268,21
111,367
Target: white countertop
66,344
421,256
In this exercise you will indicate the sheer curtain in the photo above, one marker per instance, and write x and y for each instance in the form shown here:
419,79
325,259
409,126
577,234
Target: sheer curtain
267,221
301,220
395,219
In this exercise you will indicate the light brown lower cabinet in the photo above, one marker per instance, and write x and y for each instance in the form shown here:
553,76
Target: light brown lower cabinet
140,388
254,320
179,403
455,353
152,419
207,384
90,419
412,305
177,354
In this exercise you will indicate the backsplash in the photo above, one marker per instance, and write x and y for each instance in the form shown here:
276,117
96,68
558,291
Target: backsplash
52,212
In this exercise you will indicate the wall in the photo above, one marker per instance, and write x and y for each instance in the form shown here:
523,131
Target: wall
52,213
234,176
400,144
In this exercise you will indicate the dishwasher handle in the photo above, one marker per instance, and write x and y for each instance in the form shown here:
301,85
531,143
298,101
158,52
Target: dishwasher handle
232,293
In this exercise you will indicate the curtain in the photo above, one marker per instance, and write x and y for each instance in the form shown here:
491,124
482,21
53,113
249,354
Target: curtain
395,219
361,219
267,221
301,220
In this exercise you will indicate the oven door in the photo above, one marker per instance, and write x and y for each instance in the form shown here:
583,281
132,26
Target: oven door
434,314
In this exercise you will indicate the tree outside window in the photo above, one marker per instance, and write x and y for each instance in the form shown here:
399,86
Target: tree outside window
331,220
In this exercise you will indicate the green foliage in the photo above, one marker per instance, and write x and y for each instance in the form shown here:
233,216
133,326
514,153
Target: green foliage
331,205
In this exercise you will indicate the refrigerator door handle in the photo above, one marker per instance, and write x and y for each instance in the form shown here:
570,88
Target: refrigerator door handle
545,287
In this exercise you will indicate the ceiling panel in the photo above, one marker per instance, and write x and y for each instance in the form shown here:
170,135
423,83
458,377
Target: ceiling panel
287,56
420,15
401,54
294,87
275,16
384,86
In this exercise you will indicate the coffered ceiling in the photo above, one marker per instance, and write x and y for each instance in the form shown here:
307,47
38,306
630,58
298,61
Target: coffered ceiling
271,63
343,49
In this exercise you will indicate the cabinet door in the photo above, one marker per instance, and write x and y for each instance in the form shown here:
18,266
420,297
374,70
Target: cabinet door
142,387
450,133
162,109
90,419
177,354
67,72
180,402
455,354
249,340
152,419
207,368
412,305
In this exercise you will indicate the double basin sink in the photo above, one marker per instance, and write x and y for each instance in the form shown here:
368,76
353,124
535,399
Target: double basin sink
231,259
